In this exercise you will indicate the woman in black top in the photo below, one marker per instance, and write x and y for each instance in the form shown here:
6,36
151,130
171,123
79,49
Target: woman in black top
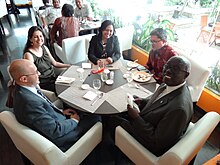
105,45
39,54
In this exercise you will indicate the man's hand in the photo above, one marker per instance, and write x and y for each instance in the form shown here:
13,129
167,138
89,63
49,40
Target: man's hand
137,100
133,113
69,111
72,113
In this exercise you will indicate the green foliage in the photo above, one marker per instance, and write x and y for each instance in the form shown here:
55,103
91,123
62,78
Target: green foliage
206,3
142,34
213,82
174,2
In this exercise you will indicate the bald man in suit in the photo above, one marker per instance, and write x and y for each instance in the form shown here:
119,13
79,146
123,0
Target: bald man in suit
32,108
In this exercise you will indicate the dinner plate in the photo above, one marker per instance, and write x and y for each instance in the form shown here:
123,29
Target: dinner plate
141,76
132,64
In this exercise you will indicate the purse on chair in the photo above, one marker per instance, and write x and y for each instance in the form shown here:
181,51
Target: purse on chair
11,88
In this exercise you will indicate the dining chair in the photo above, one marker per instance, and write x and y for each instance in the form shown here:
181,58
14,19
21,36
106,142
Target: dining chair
180,154
41,151
197,78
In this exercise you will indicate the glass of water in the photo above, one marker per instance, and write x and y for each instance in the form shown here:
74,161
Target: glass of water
129,78
96,84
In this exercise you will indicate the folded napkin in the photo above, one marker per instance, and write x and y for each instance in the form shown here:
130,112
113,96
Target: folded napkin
86,65
65,80
90,95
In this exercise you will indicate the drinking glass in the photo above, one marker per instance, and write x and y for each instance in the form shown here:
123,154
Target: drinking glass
129,78
80,74
96,84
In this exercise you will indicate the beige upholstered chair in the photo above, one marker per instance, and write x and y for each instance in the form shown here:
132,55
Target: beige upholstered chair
41,151
197,78
180,154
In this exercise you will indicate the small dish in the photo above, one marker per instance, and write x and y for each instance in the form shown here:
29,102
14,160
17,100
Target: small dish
141,76
125,75
109,82
85,86
132,64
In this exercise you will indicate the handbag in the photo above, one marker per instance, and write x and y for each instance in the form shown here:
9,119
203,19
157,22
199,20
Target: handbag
11,89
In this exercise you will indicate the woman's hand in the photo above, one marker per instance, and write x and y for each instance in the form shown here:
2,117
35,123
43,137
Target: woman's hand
109,60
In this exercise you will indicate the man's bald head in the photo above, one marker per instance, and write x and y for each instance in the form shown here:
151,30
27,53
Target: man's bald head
21,67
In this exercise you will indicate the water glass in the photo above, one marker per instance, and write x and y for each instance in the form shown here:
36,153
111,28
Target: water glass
96,84
129,78
80,74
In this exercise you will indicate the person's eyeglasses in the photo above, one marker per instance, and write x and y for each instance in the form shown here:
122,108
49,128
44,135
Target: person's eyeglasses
154,42
36,72
174,69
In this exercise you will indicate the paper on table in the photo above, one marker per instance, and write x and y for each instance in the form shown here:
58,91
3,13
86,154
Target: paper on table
65,80
74,96
90,95
121,92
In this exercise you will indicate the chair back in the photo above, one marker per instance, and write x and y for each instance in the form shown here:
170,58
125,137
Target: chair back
125,37
35,147
74,49
197,78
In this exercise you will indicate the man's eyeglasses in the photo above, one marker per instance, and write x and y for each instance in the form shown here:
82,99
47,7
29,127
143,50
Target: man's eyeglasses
36,72
154,42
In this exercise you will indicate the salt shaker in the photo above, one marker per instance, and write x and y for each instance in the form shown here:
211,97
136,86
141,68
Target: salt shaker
112,75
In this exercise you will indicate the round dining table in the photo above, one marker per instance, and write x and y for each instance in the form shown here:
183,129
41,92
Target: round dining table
114,100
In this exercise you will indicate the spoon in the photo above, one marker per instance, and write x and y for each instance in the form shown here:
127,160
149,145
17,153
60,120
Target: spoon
138,86
98,97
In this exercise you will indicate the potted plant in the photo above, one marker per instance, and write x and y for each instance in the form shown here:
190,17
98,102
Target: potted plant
213,82
142,33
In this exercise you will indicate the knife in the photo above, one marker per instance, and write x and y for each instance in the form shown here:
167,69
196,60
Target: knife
97,98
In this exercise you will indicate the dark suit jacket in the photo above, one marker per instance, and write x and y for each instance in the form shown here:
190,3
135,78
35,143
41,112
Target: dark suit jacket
163,123
96,48
34,112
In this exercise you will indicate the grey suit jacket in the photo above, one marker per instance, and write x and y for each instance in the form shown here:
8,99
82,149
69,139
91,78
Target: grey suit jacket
162,124
36,113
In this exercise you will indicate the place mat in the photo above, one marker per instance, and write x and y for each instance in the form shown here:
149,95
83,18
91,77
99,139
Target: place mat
121,92
74,95
72,73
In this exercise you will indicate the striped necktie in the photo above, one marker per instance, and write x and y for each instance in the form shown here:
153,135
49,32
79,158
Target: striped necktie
159,90
46,99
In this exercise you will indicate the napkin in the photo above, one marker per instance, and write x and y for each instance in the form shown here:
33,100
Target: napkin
86,65
90,95
65,80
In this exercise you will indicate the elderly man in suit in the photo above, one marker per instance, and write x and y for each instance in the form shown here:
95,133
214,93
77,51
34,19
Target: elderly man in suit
164,117
33,109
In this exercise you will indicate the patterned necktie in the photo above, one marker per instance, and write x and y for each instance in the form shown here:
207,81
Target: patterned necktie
159,90
46,99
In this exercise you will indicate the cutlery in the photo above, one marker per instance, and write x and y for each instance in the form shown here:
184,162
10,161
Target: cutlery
138,86
97,98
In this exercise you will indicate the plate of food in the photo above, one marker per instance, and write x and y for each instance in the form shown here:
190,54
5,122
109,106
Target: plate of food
132,64
141,76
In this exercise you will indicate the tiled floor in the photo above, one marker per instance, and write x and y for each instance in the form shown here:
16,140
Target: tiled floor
13,45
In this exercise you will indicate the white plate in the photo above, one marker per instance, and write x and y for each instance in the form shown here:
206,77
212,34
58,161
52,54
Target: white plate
132,64
109,82
85,86
141,76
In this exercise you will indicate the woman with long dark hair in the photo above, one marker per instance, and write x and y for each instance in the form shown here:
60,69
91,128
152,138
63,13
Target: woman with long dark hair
105,45
39,54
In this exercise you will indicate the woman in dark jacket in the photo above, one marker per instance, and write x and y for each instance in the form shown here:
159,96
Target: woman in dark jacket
105,45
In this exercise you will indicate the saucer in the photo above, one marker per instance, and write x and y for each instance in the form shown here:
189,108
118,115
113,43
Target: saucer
109,82
85,86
